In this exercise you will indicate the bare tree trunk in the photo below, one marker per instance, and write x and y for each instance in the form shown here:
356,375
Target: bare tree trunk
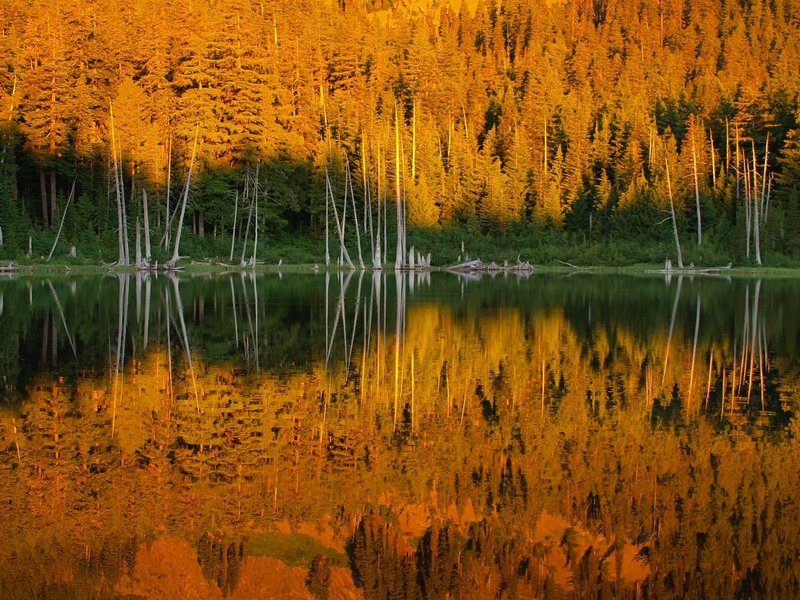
255,223
672,212
355,216
697,195
138,249
399,255
756,202
763,198
713,159
168,214
64,216
174,260
414,143
367,201
747,208
249,215
147,253
120,194
233,234
339,224
327,219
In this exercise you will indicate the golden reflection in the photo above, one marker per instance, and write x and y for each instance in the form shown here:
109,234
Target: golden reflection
463,456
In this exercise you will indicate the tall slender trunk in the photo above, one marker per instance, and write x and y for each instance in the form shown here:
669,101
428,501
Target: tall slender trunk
713,159
344,254
146,214
176,250
355,217
414,143
672,213
233,233
249,215
747,209
756,202
697,195
168,213
327,220
64,216
120,196
399,257
255,222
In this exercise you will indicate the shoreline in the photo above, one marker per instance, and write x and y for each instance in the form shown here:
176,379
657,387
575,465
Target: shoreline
11,269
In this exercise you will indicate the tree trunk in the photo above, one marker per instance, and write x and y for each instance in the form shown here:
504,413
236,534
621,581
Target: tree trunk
147,254
672,212
175,253
43,190
233,234
64,216
697,195
119,190
53,197
255,222
399,258
355,217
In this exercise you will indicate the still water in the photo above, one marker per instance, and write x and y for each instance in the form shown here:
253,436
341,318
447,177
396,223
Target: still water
399,436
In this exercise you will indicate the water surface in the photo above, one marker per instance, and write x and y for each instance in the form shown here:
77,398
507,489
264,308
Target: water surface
399,436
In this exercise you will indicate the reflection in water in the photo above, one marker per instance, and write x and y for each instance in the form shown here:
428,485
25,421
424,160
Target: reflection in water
398,436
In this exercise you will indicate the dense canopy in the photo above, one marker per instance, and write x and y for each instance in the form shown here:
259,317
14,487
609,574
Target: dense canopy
519,115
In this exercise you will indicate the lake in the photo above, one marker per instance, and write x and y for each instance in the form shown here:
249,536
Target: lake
399,436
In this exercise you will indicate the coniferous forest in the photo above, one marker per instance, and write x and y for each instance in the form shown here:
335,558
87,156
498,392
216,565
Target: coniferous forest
603,129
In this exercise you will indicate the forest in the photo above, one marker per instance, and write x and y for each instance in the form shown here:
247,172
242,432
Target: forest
608,130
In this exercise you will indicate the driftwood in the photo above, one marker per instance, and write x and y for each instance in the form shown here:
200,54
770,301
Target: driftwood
691,269
477,266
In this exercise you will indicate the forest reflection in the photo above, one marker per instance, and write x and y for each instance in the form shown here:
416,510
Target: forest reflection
398,436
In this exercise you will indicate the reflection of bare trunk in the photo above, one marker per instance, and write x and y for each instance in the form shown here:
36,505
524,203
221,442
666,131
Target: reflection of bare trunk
63,319
400,283
184,335
671,328
146,310
694,354
355,320
122,329
235,310
745,337
255,302
754,339
327,327
248,341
